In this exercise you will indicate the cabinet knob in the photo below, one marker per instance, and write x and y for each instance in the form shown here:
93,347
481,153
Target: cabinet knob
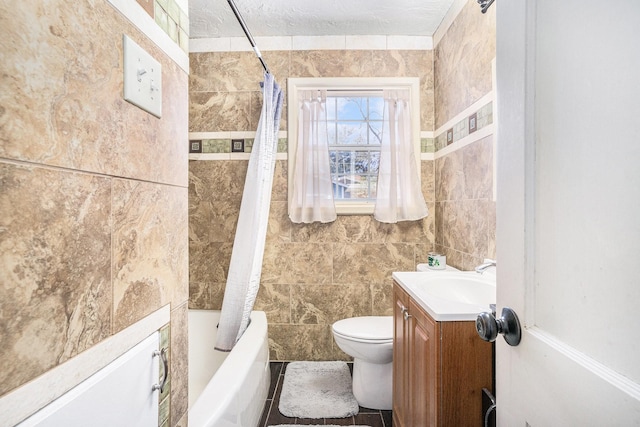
405,313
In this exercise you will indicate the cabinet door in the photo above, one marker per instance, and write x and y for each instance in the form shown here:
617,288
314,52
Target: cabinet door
424,381
400,358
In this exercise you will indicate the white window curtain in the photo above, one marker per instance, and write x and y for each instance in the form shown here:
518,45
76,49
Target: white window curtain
312,195
399,196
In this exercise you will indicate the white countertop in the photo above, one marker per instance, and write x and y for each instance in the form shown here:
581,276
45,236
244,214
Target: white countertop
449,295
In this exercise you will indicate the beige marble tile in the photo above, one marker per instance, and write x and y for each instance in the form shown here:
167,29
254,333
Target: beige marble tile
491,230
220,111
420,231
450,177
354,229
179,363
315,232
331,63
64,95
454,258
297,263
280,182
427,179
470,262
463,62
465,227
370,263
216,180
150,266
55,280
274,299
209,262
213,220
279,226
478,169
439,223
382,299
300,342
323,305
223,72
200,296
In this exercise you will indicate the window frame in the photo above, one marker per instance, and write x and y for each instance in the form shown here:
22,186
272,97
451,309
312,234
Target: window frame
347,85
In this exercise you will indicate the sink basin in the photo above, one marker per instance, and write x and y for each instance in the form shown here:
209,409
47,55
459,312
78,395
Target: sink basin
450,295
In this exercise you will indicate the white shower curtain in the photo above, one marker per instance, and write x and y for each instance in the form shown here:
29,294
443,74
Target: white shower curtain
312,192
243,279
399,196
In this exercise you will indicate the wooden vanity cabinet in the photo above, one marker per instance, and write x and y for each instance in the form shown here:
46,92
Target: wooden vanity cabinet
439,369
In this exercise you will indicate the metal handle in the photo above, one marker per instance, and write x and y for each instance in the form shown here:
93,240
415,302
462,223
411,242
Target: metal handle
165,370
488,327
405,313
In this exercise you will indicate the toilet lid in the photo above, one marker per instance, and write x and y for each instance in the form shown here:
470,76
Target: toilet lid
374,328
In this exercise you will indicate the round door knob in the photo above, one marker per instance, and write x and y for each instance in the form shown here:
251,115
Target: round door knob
488,327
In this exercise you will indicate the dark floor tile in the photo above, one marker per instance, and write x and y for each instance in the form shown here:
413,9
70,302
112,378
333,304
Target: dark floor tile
370,419
276,370
387,417
308,421
272,416
265,413
275,417
340,421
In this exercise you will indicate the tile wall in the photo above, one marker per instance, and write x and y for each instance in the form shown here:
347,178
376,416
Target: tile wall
465,206
462,62
316,274
93,192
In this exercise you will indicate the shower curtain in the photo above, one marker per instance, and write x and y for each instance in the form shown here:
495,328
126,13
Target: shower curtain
245,267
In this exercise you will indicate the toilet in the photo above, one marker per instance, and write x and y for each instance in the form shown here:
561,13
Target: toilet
369,340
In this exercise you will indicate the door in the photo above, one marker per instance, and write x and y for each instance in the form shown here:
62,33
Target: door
568,211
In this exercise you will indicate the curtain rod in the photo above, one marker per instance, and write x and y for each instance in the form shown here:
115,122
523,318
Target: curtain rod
248,34
485,4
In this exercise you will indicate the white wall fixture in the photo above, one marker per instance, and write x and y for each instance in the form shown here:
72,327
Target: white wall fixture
142,78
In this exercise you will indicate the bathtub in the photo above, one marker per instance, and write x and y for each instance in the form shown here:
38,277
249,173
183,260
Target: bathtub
227,389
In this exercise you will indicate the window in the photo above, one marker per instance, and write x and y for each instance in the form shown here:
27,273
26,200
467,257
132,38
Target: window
354,121
354,124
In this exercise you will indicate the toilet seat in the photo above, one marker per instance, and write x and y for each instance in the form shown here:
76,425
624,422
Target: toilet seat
372,329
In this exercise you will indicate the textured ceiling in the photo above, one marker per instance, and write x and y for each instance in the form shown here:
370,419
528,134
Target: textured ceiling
214,18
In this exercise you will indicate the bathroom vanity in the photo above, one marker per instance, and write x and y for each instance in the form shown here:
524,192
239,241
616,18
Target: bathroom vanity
439,365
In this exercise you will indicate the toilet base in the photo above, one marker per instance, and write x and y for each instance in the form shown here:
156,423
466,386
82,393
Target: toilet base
372,384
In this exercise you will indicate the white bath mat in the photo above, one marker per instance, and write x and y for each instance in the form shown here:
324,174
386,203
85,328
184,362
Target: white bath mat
317,390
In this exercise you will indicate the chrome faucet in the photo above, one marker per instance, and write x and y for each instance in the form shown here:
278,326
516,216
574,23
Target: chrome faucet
486,264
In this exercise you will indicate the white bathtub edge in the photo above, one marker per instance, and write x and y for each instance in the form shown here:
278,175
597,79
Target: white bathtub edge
220,406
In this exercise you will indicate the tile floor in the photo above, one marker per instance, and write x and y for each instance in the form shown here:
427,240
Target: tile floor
271,416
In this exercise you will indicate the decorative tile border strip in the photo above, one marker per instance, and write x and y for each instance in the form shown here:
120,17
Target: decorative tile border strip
473,122
173,21
226,145
169,16
481,118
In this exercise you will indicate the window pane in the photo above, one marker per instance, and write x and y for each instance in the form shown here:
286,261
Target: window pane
331,133
331,108
347,187
352,133
365,162
375,132
352,108
376,108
